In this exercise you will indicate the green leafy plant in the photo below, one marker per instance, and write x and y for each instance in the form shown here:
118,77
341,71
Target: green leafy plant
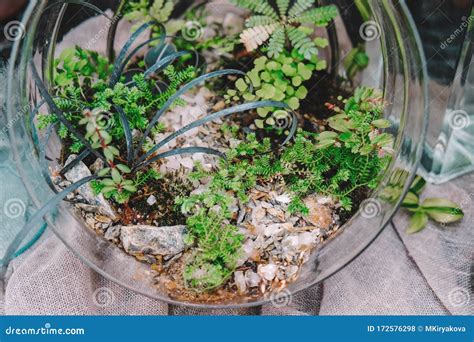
440,210
355,61
278,26
279,79
218,241
340,161
334,163
143,11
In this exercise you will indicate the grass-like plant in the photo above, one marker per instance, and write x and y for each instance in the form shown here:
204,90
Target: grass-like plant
125,106
277,26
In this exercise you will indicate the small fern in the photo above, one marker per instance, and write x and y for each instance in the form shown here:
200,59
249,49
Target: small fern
268,25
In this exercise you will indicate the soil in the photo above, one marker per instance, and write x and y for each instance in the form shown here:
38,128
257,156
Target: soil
163,212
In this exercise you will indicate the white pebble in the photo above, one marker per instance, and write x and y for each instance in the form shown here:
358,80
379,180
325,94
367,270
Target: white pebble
268,272
151,200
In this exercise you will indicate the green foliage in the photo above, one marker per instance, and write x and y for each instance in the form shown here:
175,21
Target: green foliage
279,79
355,61
77,67
440,210
80,84
143,11
268,24
306,166
349,157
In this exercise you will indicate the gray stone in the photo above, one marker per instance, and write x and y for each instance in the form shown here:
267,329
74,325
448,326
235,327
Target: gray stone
239,279
112,232
80,171
151,200
153,240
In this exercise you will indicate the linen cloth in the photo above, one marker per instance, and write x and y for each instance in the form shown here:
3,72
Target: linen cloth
429,273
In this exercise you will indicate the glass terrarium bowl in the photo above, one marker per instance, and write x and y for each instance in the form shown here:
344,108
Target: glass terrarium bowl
395,66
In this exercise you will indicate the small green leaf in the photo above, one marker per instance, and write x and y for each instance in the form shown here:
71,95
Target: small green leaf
117,178
301,93
279,95
411,201
321,42
294,103
296,81
417,222
327,135
321,65
131,188
304,71
418,185
260,63
365,150
442,210
263,111
103,172
259,123
108,182
108,189
381,123
241,85
288,70
264,75
325,143
124,168
108,154
272,65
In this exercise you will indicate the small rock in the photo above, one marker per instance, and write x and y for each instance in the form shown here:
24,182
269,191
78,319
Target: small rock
239,279
112,233
268,272
319,214
290,271
252,279
97,165
233,24
153,240
273,230
306,240
290,244
151,200
64,184
80,171
283,199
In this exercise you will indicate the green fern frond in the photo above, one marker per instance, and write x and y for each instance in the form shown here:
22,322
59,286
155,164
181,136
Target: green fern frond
283,6
302,42
261,7
300,7
277,42
259,20
319,16
253,37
